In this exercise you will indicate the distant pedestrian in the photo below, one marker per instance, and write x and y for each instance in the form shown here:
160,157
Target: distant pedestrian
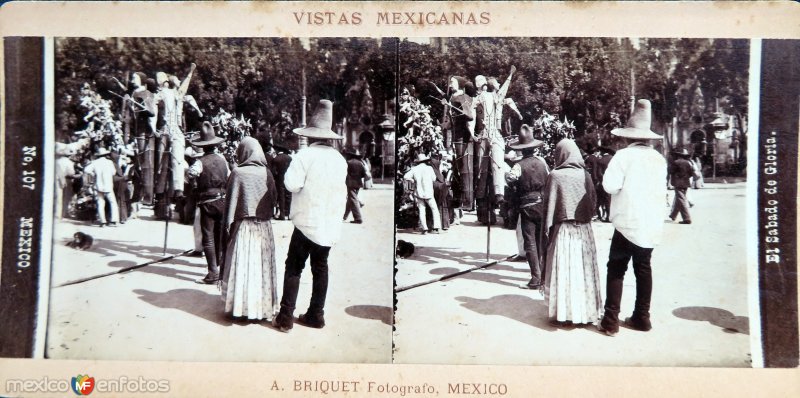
356,173
65,176
422,176
572,278
103,170
635,179
681,172
279,166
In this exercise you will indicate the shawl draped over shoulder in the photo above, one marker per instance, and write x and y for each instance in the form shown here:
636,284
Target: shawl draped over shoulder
569,193
250,187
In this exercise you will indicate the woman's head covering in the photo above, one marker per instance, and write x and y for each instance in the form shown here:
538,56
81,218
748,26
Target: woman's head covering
249,153
568,155
461,81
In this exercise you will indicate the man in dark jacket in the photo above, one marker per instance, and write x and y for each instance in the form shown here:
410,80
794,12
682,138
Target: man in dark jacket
681,172
211,178
529,176
279,166
356,172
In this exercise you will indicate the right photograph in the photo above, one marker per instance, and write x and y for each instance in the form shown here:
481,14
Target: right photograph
573,201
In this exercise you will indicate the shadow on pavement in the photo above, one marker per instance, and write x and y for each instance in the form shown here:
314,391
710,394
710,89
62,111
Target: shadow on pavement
375,312
512,306
724,319
112,248
155,269
482,276
195,302
435,255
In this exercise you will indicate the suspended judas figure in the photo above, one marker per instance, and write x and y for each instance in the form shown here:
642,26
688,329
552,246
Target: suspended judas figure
141,111
171,97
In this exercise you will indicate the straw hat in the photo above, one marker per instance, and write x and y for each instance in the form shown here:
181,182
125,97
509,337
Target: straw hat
638,126
192,153
207,136
102,152
525,139
513,156
681,152
320,124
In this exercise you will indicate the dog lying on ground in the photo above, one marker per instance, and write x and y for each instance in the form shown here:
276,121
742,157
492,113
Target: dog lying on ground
81,241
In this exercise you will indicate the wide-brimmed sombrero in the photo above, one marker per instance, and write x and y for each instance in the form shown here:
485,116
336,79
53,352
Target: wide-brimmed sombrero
525,139
207,136
320,124
638,126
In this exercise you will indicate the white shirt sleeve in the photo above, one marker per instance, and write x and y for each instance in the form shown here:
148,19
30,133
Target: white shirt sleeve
295,177
614,176
195,169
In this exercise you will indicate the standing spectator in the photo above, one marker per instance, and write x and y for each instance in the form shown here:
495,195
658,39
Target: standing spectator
572,278
103,170
65,174
249,281
423,177
279,166
441,190
356,173
529,176
212,175
603,200
635,179
681,172
316,179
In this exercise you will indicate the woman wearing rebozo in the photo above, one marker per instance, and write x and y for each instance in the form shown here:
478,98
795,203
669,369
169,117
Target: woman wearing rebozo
249,276
572,278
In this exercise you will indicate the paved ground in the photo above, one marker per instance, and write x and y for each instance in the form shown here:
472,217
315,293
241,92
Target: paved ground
159,313
699,308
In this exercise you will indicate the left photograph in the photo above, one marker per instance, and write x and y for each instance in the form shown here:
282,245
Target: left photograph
223,199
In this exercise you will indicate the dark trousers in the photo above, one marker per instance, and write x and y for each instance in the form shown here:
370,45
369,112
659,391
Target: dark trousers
531,224
353,205
284,199
300,249
680,205
211,227
621,252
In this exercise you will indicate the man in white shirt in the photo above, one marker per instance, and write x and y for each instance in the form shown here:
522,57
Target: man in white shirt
636,180
316,178
423,176
102,169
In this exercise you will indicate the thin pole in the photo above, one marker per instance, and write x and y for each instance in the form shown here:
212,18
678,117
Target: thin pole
454,274
126,269
168,211
303,141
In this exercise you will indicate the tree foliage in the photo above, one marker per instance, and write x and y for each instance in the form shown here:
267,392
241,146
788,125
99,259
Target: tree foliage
260,78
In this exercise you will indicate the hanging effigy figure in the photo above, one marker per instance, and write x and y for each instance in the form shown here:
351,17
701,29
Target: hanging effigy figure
460,117
140,111
171,97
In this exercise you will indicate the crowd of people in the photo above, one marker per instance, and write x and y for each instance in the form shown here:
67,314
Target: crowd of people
150,160
552,206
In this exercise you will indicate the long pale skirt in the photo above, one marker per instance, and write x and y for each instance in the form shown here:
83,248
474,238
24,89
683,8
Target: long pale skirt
572,280
249,286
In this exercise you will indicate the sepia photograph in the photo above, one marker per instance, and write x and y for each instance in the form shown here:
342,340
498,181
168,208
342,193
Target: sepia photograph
216,197
532,173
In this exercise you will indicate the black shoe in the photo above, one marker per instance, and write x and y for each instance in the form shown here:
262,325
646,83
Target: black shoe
424,231
685,222
434,231
356,222
606,330
638,324
672,218
283,322
210,279
316,321
531,285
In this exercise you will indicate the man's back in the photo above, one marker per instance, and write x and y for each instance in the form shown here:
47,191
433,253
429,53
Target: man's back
316,177
636,180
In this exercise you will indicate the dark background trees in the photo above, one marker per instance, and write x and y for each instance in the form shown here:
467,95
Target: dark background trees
588,80
260,78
